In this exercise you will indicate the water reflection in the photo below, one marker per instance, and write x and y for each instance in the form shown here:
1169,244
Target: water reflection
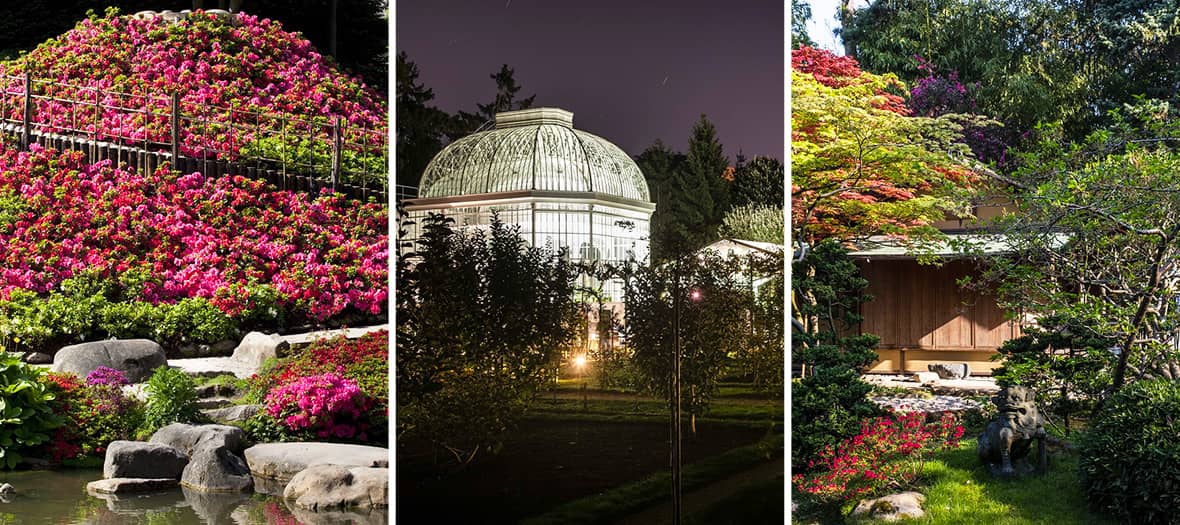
59,498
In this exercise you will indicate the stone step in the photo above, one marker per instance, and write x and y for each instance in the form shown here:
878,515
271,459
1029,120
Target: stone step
214,402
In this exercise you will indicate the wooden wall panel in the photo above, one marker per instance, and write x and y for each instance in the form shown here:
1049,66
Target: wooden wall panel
923,307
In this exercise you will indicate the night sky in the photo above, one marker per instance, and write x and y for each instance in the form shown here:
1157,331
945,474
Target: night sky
631,71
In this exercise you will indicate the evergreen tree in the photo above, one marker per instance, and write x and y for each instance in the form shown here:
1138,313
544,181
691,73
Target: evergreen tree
419,125
506,99
759,182
705,164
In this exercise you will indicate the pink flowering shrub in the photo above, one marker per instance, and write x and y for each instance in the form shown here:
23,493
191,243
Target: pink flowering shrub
225,74
328,405
186,236
887,454
107,376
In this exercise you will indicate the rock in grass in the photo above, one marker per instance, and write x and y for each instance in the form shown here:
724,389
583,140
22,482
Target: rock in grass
892,507
137,459
136,358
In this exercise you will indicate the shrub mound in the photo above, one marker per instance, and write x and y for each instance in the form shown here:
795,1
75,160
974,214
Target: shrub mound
335,389
1128,458
251,65
92,251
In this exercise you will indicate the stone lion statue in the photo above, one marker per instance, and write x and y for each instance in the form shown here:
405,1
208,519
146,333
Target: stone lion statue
1008,438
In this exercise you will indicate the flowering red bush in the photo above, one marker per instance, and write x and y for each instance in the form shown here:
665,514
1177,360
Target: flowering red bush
364,360
251,65
189,235
886,454
329,405
95,413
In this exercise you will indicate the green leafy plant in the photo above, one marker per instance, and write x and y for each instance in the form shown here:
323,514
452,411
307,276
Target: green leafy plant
26,415
1128,458
172,398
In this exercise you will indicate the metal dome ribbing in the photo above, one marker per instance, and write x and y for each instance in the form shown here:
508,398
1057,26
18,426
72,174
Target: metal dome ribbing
533,150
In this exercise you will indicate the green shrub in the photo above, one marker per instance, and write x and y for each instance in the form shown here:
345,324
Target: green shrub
196,320
172,398
26,415
1128,458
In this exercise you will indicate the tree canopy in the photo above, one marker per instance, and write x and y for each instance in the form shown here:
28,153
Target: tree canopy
861,165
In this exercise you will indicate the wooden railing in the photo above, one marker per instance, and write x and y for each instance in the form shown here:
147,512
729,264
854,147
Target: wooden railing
143,131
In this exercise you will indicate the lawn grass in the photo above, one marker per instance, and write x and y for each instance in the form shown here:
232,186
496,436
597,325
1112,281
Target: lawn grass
959,489
624,500
758,503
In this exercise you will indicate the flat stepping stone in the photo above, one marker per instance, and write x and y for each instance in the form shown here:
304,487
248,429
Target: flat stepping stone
933,404
282,461
213,366
131,485
307,338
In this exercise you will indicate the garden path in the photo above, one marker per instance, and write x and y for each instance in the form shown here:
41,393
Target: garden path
700,499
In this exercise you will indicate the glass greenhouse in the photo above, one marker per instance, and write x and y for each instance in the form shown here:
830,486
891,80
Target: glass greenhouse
564,187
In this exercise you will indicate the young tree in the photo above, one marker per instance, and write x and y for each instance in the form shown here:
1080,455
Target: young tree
709,299
481,323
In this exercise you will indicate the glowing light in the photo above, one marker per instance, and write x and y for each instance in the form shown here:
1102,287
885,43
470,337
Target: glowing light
695,295
580,361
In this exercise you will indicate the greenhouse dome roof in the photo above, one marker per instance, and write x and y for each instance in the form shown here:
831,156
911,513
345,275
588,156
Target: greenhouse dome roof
533,150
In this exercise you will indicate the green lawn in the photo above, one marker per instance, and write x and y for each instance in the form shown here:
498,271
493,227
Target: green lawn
960,490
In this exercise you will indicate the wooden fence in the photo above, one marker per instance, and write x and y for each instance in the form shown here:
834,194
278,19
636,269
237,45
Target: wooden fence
144,131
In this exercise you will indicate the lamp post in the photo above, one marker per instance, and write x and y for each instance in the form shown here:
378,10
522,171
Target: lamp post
676,393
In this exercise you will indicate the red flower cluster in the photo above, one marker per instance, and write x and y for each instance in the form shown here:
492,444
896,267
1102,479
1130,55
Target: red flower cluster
836,71
886,454
194,236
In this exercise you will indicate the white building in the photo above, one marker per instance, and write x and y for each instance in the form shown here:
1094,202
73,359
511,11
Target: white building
564,187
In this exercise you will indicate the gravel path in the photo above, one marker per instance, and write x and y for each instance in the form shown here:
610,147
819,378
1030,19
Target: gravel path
933,404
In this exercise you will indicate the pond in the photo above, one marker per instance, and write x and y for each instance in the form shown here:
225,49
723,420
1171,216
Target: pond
60,498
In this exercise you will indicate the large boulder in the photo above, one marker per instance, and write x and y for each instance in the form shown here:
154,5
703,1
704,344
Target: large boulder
282,461
136,459
191,439
217,470
215,462
321,487
257,347
136,358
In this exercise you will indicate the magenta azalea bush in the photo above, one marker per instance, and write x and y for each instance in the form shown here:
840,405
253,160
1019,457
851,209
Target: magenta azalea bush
329,405
174,238
224,72
107,376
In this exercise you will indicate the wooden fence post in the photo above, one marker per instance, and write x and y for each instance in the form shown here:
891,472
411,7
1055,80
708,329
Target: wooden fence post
335,152
175,118
27,121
